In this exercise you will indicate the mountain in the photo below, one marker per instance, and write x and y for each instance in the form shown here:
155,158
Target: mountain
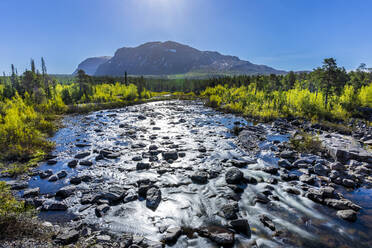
169,58
90,65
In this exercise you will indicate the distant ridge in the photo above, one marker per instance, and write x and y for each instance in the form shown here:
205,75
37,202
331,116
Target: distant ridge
169,58
90,65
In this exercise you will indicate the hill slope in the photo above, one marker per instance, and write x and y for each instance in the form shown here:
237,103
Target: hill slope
90,65
169,58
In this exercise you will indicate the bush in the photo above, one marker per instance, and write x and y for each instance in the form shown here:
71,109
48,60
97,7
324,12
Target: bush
215,101
306,143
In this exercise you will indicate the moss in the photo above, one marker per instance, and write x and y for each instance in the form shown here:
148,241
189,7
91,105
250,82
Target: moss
304,142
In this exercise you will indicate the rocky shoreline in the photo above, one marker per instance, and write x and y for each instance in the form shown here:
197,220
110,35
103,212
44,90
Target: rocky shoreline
173,173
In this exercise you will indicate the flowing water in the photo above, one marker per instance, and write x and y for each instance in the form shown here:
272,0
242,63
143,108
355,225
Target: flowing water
189,127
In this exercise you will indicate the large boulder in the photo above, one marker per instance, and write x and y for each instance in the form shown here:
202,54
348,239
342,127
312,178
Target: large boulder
153,198
66,191
234,176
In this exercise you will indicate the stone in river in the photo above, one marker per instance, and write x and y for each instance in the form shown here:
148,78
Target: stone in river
153,198
82,155
267,222
200,177
234,176
349,215
31,192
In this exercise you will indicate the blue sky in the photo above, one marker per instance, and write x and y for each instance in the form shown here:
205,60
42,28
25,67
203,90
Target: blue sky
287,34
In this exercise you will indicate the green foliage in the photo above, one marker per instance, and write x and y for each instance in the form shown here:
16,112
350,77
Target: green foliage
306,143
21,130
294,102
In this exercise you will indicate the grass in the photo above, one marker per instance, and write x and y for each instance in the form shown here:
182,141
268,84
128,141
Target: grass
306,143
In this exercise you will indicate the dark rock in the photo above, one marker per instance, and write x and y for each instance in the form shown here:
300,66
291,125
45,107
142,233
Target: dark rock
31,192
293,191
261,198
349,215
82,155
220,235
230,210
141,117
234,176
52,205
307,179
348,183
68,237
101,210
241,226
172,234
62,174
200,177
137,158
72,164
153,198
270,169
285,164
66,191
17,185
153,147
170,155
46,173
53,178
86,163
143,166
267,222
131,195
75,180
341,204
320,169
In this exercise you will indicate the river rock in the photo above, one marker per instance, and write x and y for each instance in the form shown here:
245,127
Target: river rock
46,173
143,166
53,205
68,237
200,177
230,210
307,179
172,234
173,155
234,176
62,174
267,222
241,226
349,215
31,192
17,185
101,210
86,163
153,198
66,191
82,155
53,178
341,204
72,164
220,235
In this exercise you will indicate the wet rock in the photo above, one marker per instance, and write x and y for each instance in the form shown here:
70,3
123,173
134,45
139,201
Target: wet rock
293,191
46,173
143,186
68,237
202,149
267,222
112,197
72,164
53,205
66,191
17,185
241,226
101,210
220,235
31,192
153,198
143,166
270,169
153,147
261,198
285,164
172,234
61,174
173,155
86,163
307,179
137,158
348,183
291,155
131,195
75,180
200,177
349,215
82,155
337,166
103,238
320,169
341,204
230,210
80,145
53,178
141,117
288,177
234,176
